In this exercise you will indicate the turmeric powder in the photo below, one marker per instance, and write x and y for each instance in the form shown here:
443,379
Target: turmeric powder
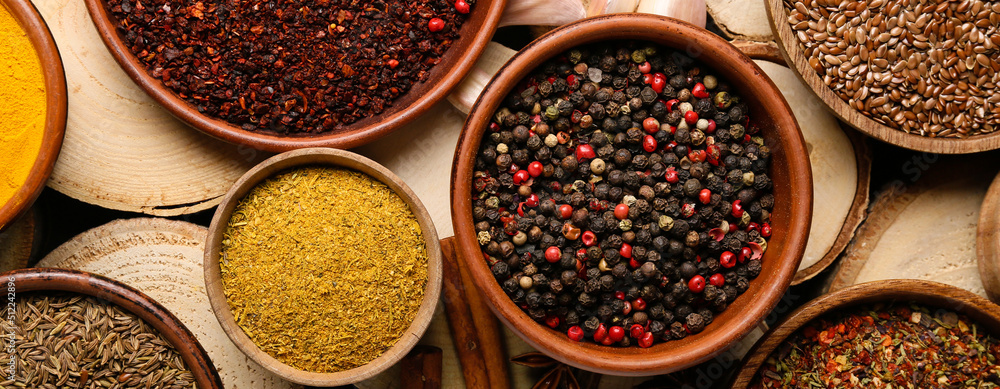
22,111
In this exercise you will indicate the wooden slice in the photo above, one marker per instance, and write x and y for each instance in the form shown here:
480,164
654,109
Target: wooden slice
988,241
740,19
924,230
17,242
163,259
121,149
841,165
795,57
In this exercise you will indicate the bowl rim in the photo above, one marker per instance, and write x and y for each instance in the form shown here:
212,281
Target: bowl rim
334,158
351,136
928,293
793,55
663,357
129,299
37,30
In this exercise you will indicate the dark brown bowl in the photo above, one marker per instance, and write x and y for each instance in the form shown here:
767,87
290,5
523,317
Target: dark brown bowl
928,293
129,299
55,109
455,64
790,172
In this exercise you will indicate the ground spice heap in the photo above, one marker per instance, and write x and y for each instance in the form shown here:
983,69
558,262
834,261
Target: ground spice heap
621,195
924,67
290,66
75,341
898,346
22,114
324,268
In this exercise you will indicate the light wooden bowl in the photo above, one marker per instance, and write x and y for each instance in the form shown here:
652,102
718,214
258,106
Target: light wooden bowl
476,32
988,241
129,299
334,158
928,293
797,60
790,218
55,109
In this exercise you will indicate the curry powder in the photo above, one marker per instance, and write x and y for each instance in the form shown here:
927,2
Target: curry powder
22,114
324,268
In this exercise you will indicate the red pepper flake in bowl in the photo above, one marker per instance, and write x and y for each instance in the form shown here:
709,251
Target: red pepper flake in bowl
289,66
898,346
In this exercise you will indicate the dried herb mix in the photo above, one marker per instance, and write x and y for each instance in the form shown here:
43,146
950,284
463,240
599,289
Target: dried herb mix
900,346
289,66
75,341
324,268
621,195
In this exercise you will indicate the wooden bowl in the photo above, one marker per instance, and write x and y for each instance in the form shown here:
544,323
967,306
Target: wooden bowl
55,109
476,32
335,158
129,299
795,57
928,293
988,241
790,172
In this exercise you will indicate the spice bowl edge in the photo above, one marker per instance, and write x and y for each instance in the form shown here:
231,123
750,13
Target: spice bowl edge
40,280
792,183
332,158
929,293
444,77
54,129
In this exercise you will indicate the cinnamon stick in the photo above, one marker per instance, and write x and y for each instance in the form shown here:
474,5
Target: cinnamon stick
421,368
474,329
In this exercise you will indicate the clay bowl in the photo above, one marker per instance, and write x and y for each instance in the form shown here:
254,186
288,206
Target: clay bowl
790,172
129,299
476,32
797,60
55,112
988,241
928,293
336,158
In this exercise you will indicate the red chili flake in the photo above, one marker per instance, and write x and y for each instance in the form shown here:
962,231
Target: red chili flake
890,345
289,67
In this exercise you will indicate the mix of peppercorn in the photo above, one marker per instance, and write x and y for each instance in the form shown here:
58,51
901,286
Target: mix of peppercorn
621,195
289,66
885,346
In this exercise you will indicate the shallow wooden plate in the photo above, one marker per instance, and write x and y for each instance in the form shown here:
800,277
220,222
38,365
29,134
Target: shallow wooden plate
55,110
797,60
476,32
337,158
50,279
790,218
928,293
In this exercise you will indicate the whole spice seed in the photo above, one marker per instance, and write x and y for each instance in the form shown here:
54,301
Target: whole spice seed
289,66
76,341
632,243
924,67
898,346
324,268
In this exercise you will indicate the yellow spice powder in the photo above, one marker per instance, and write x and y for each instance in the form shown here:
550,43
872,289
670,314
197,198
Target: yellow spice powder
324,268
22,113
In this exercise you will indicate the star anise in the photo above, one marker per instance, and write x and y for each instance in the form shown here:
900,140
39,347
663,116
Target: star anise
560,375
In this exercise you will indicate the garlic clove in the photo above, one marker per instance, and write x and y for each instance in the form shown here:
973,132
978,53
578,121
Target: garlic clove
691,11
493,58
601,7
542,12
